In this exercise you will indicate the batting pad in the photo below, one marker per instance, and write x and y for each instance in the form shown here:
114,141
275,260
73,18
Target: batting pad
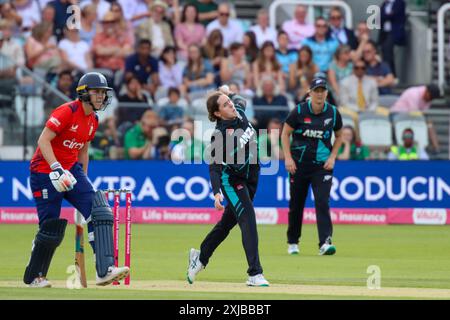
48,238
102,219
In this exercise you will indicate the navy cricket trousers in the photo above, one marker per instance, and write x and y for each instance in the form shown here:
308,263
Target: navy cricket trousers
320,181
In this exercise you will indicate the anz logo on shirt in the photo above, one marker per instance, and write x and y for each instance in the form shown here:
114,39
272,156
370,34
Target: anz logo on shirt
249,132
318,134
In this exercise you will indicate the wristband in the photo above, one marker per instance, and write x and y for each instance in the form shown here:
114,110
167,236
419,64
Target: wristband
55,165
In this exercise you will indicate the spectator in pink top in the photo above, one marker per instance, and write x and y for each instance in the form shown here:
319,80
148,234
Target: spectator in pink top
297,28
419,99
189,31
416,99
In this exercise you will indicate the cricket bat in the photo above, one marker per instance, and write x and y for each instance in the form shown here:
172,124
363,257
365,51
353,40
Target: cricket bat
79,249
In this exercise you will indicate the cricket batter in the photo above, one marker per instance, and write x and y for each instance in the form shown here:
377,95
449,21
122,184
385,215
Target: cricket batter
310,159
58,171
234,169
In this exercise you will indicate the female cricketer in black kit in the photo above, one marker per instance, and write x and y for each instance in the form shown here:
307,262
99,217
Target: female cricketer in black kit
309,159
234,168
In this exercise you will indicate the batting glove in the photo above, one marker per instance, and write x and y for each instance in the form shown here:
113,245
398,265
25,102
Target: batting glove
62,180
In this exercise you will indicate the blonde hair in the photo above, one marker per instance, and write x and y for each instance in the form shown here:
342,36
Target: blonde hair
40,29
90,8
4,24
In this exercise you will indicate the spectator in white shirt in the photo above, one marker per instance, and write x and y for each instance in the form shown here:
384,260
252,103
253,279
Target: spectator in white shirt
298,29
170,70
231,29
262,30
29,11
74,51
135,10
11,57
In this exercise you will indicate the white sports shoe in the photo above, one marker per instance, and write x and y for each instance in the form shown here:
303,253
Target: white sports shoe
195,266
40,282
114,274
327,249
293,248
257,281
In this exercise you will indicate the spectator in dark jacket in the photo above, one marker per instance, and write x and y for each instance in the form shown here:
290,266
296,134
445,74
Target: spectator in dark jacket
378,69
392,33
338,30
143,66
277,105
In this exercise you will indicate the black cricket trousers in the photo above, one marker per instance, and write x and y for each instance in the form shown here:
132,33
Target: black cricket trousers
320,180
239,210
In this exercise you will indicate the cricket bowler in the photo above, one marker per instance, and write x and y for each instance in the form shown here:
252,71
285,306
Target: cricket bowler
238,181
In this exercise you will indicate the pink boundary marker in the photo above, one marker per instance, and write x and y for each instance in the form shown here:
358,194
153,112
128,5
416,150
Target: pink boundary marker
157,215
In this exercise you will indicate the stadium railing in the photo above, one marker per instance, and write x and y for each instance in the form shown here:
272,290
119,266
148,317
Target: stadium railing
26,107
441,44
441,122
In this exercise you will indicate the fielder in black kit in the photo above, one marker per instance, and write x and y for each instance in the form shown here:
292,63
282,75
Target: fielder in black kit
309,159
234,169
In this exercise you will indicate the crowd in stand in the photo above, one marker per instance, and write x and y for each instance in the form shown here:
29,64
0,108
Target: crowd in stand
166,54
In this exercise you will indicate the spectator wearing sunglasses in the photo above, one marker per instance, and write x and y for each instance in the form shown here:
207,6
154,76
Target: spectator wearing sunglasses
359,92
408,150
378,69
339,32
322,45
231,29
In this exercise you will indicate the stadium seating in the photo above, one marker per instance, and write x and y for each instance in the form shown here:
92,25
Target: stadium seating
375,129
387,100
348,121
35,110
198,107
197,95
415,121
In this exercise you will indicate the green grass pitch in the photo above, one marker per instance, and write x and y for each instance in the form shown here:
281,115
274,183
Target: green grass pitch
414,263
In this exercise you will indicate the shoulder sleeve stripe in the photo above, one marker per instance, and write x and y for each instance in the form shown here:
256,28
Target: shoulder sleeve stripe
73,107
334,115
